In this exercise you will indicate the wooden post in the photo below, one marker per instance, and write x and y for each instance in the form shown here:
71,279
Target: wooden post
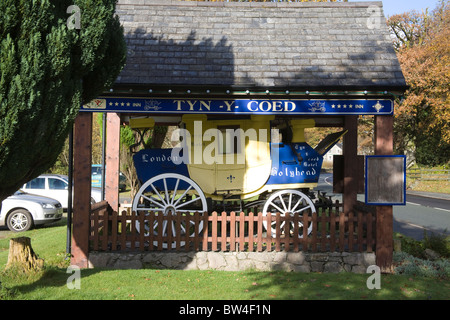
350,167
112,160
385,219
81,188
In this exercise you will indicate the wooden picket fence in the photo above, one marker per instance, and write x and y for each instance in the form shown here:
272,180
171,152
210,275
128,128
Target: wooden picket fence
332,231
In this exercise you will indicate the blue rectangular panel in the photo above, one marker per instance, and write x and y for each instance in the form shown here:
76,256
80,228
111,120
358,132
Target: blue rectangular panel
241,106
297,163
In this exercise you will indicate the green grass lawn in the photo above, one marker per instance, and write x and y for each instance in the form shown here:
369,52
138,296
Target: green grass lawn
221,285
150,284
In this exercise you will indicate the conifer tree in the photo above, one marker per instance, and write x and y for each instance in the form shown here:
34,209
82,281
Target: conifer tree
52,60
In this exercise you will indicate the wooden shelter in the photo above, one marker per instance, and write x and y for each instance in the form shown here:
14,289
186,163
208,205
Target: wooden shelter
336,57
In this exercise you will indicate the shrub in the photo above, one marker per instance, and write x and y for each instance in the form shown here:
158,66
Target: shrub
439,243
409,265
413,247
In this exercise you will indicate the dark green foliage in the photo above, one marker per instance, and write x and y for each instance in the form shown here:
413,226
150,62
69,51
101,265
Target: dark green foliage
46,72
413,247
410,265
414,261
431,149
440,243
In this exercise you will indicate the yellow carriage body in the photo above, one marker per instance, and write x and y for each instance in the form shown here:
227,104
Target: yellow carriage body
239,161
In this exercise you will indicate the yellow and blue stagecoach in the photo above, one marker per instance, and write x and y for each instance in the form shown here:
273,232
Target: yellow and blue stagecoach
226,151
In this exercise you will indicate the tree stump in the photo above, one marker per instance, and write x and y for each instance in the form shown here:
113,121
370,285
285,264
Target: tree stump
22,256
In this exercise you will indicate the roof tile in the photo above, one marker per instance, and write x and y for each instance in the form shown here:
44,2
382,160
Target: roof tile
241,44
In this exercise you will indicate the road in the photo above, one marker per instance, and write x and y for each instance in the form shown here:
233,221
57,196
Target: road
428,201
422,212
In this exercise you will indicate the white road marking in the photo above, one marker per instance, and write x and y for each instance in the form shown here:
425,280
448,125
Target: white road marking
417,204
442,209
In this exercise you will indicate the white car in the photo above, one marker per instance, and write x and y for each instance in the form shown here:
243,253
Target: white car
22,211
56,186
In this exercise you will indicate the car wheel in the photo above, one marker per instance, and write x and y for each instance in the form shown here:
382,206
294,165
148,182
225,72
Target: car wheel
19,220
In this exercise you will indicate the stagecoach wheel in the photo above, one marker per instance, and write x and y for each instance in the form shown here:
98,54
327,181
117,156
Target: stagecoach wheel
170,193
289,202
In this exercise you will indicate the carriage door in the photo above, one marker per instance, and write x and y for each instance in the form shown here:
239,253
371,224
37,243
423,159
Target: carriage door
243,163
230,160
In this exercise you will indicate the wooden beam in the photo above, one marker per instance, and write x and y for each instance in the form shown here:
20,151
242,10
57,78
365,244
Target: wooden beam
338,174
81,189
385,218
350,163
384,135
112,160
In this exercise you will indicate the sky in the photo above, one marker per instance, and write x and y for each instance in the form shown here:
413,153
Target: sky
392,7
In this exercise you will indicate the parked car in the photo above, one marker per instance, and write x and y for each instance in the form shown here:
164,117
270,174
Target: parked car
22,211
56,186
96,178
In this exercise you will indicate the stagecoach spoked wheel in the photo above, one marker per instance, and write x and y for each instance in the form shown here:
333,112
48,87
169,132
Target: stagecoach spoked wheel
169,194
288,202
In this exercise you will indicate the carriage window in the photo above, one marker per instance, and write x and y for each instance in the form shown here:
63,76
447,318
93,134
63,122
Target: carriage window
231,142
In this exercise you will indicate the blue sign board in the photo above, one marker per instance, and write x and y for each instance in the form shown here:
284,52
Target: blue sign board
242,106
297,163
152,162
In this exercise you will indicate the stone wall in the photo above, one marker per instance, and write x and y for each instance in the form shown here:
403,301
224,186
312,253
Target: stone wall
333,262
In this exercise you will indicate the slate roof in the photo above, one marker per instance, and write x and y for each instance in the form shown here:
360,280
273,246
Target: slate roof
257,44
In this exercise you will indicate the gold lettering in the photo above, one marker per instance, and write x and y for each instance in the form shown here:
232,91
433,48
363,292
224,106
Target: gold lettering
191,104
179,102
287,104
249,106
277,106
229,105
206,105
261,106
